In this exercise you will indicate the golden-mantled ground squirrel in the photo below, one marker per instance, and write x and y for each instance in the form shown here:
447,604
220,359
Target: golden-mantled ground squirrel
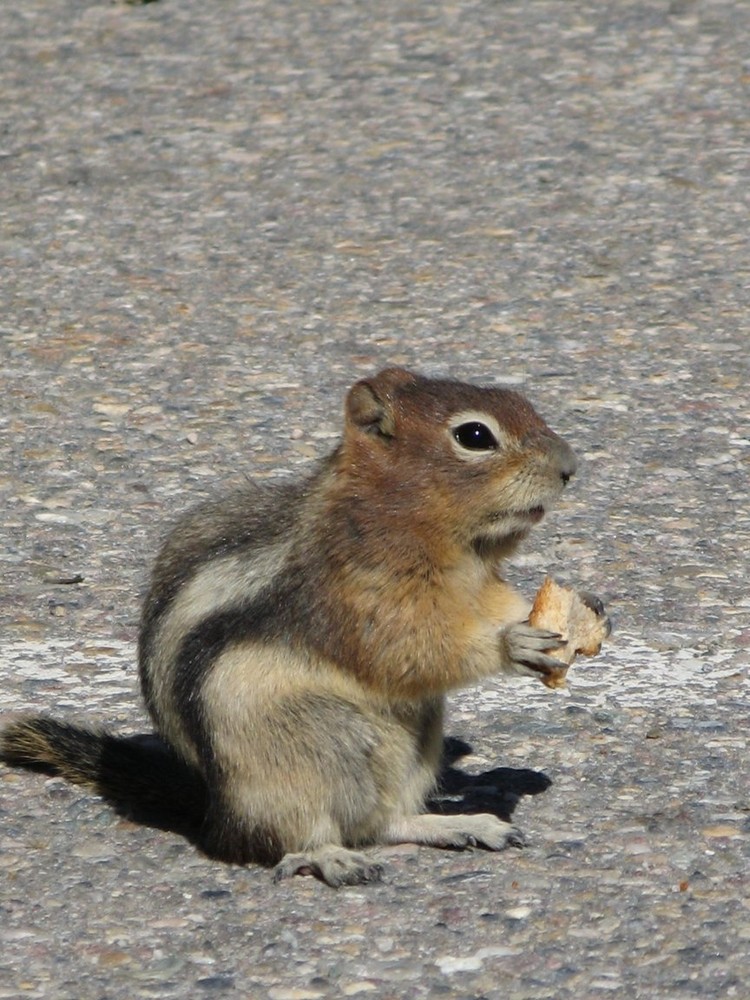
298,640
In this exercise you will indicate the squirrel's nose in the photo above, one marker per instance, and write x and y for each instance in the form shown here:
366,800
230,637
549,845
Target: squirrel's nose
558,453
567,459
563,456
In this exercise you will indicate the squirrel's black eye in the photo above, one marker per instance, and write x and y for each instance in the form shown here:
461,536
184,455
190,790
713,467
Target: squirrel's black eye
475,436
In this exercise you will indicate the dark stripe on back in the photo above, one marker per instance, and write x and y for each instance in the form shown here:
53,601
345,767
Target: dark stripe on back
243,522
269,616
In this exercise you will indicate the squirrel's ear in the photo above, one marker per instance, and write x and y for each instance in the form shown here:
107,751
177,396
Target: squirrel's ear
368,412
370,403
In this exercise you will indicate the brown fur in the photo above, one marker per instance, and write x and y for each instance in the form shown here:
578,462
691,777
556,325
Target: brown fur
298,641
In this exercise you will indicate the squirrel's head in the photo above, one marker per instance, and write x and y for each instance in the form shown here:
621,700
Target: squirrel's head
450,458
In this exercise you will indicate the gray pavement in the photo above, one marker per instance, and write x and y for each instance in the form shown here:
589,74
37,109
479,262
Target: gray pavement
214,218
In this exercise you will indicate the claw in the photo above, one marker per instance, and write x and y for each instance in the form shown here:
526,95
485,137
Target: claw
537,638
592,602
516,838
540,661
554,640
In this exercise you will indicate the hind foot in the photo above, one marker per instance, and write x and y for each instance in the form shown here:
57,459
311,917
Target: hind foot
458,832
332,864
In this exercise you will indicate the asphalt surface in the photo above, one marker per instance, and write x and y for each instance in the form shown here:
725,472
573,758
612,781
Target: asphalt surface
214,218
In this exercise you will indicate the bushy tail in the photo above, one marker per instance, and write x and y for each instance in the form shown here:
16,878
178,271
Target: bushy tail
140,775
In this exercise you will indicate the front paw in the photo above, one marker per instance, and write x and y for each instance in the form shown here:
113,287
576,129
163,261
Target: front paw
526,649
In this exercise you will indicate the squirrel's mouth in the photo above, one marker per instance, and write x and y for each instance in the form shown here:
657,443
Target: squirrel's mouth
509,525
535,514
531,514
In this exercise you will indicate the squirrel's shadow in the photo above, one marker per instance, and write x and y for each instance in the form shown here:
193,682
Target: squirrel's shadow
496,791
180,799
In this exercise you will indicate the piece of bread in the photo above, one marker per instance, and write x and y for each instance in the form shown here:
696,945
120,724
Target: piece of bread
579,618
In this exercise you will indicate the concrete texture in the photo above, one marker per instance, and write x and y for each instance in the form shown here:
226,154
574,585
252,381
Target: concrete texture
214,218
